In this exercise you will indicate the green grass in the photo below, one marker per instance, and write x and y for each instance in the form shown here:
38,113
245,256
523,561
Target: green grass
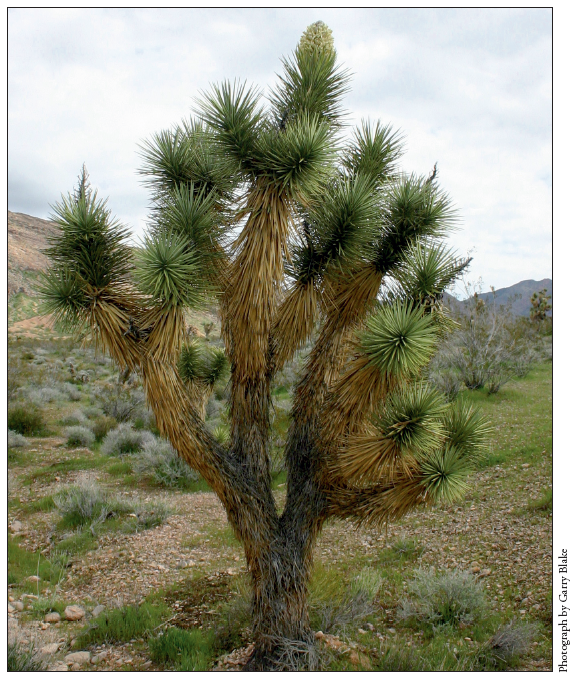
23,563
183,650
122,625
61,467
544,503
520,414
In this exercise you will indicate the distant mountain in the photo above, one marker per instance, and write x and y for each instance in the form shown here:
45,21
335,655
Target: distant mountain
519,294
26,241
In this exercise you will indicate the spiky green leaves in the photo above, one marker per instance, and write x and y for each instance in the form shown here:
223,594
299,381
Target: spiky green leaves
90,244
444,475
232,112
411,419
64,297
373,152
185,156
428,270
196,365
339,229
467,430
298,160
415,209
168,271
399,340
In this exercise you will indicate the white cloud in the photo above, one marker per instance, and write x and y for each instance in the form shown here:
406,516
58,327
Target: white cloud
470,88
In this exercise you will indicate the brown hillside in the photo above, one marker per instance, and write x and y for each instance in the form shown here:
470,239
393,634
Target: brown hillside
26,241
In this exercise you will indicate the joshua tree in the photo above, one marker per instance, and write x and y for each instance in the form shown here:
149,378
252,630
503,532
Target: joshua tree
300,235
540,305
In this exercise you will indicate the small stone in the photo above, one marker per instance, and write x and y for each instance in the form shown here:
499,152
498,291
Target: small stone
475,570
11,609
10,598
77,657
147,664
522,611
16,526
319,635
44,626
485,572
468,639
75,667
362,632
52,617
392,631
34,579
98,610
370,626
50,649
74,613
526,465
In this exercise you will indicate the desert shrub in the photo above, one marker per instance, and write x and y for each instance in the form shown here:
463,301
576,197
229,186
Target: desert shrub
505,647
182,650
75,418
446,382
121,402
124,439
444,598
25,419
16,440
79,435
92,412
332,608
490,347
88,504
102,426
43,395
71,391
20,659
147,516
160,461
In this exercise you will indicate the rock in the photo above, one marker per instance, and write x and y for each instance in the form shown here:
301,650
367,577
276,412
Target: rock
97,658
392,631
362,632
18,606
475,570
319,635
362,659
74,613
10,598
52,617
59,668
34,579
147,664
75,667
11,608
98,610
77,657
183,564
484,572
50,649
16,526
526,465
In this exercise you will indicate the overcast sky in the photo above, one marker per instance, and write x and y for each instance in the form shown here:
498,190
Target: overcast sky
470,89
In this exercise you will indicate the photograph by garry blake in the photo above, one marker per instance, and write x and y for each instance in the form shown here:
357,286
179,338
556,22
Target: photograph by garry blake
279,334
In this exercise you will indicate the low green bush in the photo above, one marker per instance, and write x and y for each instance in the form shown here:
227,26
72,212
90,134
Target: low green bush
124,439
26,419
159,460
16,441
79,435
443,598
